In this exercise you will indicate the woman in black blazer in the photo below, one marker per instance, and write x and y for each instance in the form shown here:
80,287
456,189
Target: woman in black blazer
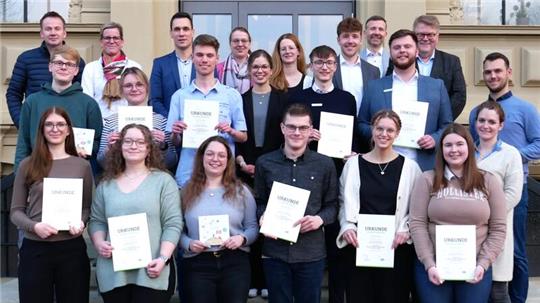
263,109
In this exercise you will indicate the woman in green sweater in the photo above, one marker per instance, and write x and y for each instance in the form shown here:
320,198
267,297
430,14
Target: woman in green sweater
135,182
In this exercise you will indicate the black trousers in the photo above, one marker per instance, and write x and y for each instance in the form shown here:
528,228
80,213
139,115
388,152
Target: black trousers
49,270
132,293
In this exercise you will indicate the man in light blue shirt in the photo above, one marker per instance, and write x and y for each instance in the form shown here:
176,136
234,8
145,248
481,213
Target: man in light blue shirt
206,88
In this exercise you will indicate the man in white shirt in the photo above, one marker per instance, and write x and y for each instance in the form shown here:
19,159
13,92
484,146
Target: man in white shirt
374,52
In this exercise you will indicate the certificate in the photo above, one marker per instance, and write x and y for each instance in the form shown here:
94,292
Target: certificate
286,205
130,241
134,114
413,115
84,139
375,235
62,202
214,230
455,251
336,135
201,118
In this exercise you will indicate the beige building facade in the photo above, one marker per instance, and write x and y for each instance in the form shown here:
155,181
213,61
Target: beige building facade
146,35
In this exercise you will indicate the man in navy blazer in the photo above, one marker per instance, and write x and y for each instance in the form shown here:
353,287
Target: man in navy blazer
375,53
400,86
438,64
174,70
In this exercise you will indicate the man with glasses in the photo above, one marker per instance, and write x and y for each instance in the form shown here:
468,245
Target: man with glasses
174,70
62,92
438,64
100,77
294,271
31,69
406,84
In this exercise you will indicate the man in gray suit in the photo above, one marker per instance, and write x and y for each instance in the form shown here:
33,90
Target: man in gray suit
374,52
352,73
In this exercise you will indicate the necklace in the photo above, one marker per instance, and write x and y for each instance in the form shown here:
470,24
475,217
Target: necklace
383,169
144,173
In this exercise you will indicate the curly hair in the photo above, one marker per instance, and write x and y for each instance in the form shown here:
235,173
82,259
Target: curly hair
234,189
115,164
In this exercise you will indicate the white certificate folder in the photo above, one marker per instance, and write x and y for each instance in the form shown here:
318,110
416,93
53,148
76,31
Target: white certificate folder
336,135
375,235
286,205
455,251
62,202
130,241
201,118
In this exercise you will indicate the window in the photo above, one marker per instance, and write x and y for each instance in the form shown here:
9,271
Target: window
495,12
31,10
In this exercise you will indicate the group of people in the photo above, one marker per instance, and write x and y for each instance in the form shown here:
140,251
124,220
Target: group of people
270,109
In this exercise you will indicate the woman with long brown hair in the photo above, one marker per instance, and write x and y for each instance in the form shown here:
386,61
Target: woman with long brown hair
52,263
289,72
217,271
456,193
135,182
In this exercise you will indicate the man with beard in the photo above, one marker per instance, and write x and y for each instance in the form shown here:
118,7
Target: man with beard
405,84
374,52
521,130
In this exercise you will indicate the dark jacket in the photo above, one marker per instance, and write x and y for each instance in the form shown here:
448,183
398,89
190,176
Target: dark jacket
31,70
273,137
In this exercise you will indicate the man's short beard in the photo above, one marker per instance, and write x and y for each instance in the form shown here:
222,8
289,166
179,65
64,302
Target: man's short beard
405,65
498,88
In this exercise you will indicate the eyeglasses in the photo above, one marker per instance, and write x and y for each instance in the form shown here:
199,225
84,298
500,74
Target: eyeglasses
111,38
321,63
293,128
238,41
130,86
127,142
380,130
52,125
257,67
60,64
426,35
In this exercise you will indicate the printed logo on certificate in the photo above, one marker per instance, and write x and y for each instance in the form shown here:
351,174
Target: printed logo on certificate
201,118
130,241
375,234
455,251
214,230
336,135
62,202
286,205
135,114
84,139
413,115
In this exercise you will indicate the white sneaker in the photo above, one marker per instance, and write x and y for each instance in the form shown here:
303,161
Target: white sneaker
264,293
253,292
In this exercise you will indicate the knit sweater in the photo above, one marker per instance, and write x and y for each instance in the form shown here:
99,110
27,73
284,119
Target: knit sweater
451,205
27,200
30,72
157,196
82,110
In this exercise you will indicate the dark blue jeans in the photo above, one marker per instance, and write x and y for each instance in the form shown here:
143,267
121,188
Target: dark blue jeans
217,277
298,282
519,286
451,291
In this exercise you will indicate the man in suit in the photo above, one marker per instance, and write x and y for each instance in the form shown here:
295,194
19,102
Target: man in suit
405,84
352,73
174,70
438,64
374,52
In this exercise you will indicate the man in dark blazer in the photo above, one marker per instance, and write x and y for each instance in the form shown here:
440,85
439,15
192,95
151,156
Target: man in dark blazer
174,70
374,52
438,64
382,93
352,73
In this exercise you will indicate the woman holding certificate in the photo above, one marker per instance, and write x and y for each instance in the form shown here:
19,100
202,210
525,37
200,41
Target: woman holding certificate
502,160
289,70
134,84
52,260
135,266
219,212
458,223
374,184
